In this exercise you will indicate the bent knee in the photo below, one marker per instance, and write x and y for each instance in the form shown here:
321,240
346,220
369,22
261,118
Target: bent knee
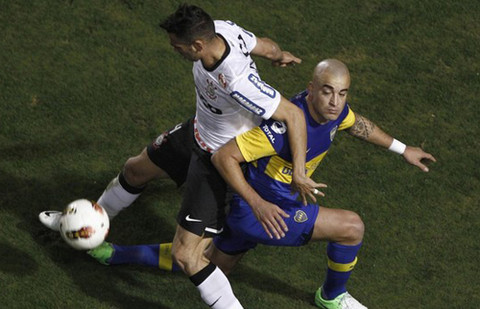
132,172
180,256
353,228
139,170
188,260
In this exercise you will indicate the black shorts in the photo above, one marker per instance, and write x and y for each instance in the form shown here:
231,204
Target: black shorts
171,151
205,197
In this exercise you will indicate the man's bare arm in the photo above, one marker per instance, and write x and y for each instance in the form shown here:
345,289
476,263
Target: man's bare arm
366,130
227,161
270,50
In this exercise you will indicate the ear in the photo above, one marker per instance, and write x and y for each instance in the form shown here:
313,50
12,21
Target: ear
310,89
198,46
310,86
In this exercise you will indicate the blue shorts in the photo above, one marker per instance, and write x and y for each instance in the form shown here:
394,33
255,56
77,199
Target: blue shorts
243,231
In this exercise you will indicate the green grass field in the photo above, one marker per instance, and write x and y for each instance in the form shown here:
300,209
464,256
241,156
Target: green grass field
86,84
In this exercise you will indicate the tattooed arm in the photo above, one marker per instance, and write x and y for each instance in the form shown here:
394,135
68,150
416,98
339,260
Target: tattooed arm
368,131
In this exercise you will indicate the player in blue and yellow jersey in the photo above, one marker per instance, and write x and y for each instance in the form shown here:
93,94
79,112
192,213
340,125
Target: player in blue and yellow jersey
264,210
264,206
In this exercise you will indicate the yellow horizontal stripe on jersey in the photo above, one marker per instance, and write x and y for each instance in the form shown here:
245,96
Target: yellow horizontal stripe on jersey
281,170
348,121
254,144
312,164
342,267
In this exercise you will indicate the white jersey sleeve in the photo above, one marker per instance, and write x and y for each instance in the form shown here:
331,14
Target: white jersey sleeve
231,97
248,40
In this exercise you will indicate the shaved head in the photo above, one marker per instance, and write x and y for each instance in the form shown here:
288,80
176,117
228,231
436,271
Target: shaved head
327,92
330,69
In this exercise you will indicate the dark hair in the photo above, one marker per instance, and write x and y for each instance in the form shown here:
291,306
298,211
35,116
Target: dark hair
188,23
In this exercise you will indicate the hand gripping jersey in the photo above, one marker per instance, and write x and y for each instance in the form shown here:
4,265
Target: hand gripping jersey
267,148
231,97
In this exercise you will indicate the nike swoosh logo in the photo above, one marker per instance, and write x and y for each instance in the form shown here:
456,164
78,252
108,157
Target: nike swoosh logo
215,302
308,150
191,219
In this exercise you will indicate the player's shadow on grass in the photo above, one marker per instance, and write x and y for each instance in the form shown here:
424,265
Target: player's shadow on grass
16,261
25,198
261,281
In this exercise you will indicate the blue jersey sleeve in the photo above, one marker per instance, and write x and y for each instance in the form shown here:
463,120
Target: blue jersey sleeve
276,132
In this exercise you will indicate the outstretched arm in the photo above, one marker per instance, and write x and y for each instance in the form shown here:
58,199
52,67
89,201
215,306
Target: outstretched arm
268,49
368,131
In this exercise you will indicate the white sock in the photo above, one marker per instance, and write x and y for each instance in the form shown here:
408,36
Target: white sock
216,291
115,198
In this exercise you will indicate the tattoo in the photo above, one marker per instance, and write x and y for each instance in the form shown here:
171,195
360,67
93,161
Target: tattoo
362,127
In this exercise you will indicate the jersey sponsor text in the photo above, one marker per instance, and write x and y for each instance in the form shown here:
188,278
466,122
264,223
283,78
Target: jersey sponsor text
264,88
247,104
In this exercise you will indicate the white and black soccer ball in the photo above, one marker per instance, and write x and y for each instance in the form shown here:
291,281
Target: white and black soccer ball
84,224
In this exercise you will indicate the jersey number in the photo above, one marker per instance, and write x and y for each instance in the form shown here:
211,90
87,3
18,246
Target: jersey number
243,46
210,107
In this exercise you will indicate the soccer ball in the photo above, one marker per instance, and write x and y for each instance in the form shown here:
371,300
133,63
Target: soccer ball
84,224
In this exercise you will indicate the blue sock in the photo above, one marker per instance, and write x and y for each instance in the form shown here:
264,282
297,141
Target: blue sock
158,255
341,261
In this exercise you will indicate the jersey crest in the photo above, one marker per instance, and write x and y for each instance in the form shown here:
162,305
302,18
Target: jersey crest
300,216
222,80
210,90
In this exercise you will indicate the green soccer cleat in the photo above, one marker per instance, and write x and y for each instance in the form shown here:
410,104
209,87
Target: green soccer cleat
342,301
102,253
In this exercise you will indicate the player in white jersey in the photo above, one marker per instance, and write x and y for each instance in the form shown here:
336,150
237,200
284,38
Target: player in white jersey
231,99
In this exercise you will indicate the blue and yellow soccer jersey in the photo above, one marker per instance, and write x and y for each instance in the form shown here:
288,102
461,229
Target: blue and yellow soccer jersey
267,149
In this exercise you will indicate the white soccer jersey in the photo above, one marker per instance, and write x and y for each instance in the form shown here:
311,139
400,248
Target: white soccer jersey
231,97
